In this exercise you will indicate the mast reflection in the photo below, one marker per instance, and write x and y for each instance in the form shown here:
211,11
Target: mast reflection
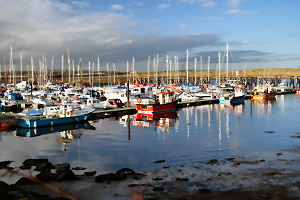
227,108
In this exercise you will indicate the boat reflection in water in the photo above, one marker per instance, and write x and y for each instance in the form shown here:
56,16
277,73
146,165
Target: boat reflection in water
270,101
68,132
264,106
163,121
236,107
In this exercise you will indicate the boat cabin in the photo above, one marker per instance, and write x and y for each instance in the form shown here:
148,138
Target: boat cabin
116,103
166,97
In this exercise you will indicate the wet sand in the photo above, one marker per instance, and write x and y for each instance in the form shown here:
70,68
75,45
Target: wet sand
269,175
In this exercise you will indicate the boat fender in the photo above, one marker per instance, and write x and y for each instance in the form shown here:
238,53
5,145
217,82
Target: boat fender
139,100
68,112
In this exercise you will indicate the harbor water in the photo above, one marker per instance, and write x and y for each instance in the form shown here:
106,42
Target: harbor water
191,134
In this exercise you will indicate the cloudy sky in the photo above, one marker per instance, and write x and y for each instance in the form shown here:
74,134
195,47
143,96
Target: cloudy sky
261,34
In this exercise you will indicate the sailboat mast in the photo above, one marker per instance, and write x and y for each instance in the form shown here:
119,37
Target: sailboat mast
52,65
170,82
177,69
98,66
5,67
167,65
133,70
107,68
187,66
80,70
10,65
148,69
154,77
89,72
201,69
21,67
156,66
127,69
69,65
32,72
93,69
195,66
227,62
62,68
208,62
114,68
73,72
219,68
46,71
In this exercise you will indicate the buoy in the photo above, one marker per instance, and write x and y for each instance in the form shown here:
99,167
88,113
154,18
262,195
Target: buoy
139,100
2,125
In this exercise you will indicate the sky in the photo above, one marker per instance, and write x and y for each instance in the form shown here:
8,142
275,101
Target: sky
261,34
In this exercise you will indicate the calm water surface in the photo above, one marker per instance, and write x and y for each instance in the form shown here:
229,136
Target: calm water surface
193,134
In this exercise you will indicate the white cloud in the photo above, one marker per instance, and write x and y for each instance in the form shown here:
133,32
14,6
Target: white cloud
182,25
116,7
163,6
209,4
239,12
246,42
81,4
233,3
55,24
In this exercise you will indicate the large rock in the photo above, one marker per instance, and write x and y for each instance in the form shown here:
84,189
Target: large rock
126,171
43,166
33,162
110,177
46,176
66,175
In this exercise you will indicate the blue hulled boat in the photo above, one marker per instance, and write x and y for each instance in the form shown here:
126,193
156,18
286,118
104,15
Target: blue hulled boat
237,96
64,115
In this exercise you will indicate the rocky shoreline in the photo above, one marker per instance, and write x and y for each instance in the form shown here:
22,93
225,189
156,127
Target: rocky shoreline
269,175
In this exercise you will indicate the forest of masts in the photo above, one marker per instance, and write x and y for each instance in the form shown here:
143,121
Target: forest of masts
169,75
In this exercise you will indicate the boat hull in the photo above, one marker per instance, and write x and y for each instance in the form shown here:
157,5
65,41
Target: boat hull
40,122
232,100
155,108
264,96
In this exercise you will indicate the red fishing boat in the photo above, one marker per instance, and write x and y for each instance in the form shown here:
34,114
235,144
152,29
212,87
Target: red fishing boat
161,102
